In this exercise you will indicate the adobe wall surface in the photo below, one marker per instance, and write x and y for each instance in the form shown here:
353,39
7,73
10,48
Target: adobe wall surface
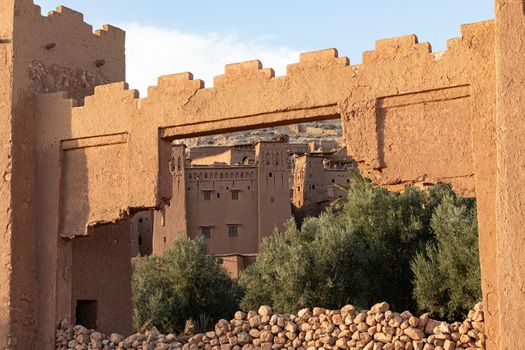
216,197
230,156
221,210
410,116
273,175
510,104
70,65
234,264
141,228
101,271
315,185
402,97
171,220
6,105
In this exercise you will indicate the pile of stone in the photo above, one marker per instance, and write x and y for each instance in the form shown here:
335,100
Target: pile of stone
348,329
80,338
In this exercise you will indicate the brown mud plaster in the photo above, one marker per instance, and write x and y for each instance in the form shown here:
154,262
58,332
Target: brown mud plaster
410,116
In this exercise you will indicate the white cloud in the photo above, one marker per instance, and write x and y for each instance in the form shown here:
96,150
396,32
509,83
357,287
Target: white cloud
152,51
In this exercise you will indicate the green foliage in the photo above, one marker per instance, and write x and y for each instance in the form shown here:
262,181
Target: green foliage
447,273
185,283
359,254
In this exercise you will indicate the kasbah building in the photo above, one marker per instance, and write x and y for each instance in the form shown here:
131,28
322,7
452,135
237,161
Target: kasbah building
234,196
81,153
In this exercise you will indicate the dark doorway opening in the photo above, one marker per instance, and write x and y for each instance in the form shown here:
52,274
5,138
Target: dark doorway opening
86,313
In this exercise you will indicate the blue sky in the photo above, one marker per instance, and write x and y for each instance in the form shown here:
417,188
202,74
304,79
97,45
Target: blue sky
201,36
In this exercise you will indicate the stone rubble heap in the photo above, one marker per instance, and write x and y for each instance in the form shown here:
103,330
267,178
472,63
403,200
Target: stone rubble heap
374,329
80,338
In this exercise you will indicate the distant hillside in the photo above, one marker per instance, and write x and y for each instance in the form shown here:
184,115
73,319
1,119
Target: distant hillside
297,133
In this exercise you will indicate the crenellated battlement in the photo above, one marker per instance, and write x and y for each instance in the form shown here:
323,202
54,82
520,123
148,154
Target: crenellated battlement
243,71
109,93
61,44
397,48
175,83
323,57
317,59
66,15
322,66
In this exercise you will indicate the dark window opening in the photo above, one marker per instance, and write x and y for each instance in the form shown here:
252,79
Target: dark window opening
86,313
140,220
347,181
233,230
313,187
298,188
164,239
218,195
207,195
333,180
206,232
235,195
140,240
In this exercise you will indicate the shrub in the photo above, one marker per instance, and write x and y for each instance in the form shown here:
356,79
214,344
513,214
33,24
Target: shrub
360,254
185,283
447,273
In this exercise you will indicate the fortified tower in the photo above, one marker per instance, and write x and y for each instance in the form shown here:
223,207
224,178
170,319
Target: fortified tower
273,188
39,54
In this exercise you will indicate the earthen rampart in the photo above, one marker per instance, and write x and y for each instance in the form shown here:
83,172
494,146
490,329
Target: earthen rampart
410,116
400,97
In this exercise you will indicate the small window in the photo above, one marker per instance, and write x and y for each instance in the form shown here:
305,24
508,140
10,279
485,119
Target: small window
207,195
298,188
233,230
333,180
164,239
347,181
218,195
313,187
140,220
206,232
235,195
270,174
140,240
86,313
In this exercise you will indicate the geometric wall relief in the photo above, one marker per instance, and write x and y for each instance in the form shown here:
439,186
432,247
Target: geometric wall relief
425,134
94,182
